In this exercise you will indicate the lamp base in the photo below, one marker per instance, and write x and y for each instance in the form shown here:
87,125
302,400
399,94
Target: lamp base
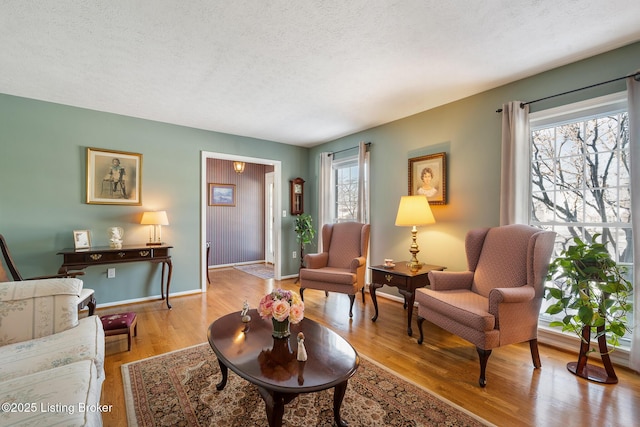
155,244
414,266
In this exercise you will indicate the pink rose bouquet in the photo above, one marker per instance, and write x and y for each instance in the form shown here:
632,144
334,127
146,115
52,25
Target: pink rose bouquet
282,305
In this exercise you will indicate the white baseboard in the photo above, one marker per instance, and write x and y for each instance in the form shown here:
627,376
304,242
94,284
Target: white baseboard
145,299
233,264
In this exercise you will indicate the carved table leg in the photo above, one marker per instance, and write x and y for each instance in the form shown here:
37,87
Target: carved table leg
274,405
170,265
409,299
372,291
338,394
225,374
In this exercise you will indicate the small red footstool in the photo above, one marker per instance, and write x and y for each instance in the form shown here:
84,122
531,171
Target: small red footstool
120,324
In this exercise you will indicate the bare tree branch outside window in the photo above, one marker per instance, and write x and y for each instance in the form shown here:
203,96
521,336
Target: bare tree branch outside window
580,183
346,179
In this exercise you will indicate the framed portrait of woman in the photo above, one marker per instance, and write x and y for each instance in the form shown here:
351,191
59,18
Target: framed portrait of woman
428,177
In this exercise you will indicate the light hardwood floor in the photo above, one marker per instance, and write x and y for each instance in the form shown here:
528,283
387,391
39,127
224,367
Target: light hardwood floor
516,394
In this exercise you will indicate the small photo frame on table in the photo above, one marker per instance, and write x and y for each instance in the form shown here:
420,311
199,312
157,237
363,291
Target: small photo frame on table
222,194
81,239
428,176
114,177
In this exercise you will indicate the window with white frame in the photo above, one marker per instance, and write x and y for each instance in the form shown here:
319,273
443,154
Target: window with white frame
580,180
346,189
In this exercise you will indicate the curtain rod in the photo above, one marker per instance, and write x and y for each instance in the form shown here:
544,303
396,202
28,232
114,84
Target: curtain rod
522,104
368,145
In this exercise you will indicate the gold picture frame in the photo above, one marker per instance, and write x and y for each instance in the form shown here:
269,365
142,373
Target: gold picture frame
114,177
433,186
222,194
81,239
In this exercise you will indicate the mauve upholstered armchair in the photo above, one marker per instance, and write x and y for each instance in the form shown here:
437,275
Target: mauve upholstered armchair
497,301
342,264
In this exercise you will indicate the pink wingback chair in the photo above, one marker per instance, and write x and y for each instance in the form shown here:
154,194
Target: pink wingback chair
497,301
342,264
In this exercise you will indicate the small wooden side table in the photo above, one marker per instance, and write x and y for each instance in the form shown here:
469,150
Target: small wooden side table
401,277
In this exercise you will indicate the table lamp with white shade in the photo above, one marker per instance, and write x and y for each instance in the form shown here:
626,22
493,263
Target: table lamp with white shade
156,220
414,211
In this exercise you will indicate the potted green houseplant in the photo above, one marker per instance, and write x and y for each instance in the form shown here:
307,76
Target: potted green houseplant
590,288
304,233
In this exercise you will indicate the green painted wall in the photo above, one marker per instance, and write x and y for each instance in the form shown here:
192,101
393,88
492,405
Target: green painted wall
469,131
42,198
42,168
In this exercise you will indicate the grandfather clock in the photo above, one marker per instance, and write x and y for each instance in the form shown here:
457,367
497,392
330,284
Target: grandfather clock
296,188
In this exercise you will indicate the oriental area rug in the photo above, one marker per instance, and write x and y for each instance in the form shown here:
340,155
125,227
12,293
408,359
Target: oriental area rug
179,388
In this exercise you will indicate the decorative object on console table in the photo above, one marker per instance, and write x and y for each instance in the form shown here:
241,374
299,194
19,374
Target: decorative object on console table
405,279
428,177
81,239
114,177
414,211
115,237
296,189
156,220
100,255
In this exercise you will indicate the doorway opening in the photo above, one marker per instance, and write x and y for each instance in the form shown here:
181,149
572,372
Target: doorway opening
272,220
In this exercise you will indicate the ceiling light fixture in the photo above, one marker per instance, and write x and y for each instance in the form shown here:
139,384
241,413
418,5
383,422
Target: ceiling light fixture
238,167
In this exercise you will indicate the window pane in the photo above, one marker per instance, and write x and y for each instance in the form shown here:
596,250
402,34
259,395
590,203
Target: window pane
543,143
580,182
346,192
569,140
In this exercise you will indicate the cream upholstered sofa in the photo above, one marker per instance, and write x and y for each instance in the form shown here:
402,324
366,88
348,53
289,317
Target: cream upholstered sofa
51,363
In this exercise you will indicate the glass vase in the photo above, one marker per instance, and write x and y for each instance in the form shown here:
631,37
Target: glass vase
280,329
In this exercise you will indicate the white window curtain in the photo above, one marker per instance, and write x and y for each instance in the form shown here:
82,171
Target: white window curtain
633,101
363,183
325,195
363,196
514,180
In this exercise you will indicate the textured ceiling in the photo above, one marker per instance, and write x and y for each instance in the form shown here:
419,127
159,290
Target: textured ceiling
300,72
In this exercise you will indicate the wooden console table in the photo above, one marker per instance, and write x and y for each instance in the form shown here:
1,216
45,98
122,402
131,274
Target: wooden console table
78,259
405,280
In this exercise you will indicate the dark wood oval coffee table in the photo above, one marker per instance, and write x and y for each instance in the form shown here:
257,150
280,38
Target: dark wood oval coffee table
250,351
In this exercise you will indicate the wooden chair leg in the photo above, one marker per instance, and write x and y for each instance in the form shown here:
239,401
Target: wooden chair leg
535,354
484,357
420,322
362,292
352,299
302,294
92,305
